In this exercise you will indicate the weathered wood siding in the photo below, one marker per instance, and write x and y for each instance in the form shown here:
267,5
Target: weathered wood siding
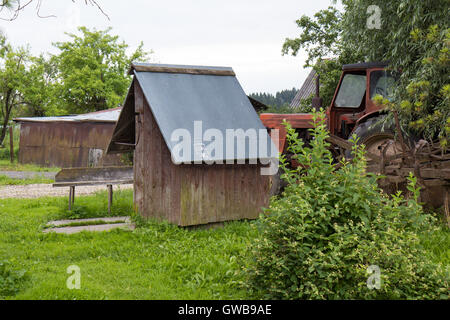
64,144
189,195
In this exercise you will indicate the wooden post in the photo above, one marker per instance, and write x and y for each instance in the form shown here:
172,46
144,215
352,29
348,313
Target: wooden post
71,196
11,144
110,197
317,100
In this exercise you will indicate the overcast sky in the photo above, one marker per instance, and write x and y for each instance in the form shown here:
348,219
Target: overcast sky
246,35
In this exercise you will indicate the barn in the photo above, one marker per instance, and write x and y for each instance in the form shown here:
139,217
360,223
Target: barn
307,90
68,141
169,106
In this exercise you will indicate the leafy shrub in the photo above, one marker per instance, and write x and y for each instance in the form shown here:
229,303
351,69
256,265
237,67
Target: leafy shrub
424,93
318,240
4,145
10,279
5,153
127,158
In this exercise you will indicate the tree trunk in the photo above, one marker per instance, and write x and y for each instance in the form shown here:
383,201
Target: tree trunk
7,113
3,132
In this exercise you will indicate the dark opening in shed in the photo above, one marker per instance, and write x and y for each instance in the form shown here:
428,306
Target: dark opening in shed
169,107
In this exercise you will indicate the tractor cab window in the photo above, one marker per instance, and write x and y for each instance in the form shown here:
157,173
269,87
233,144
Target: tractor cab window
351,92
382,83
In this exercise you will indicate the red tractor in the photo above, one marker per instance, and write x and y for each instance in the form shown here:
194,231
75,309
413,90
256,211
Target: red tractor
352,109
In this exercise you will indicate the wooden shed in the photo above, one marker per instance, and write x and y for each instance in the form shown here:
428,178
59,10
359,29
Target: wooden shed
184,188
68,141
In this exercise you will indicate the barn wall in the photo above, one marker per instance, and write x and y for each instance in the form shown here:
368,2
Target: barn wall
190,194
64,144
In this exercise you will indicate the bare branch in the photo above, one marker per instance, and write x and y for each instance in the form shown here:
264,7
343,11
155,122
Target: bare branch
38,11
94,3
15,6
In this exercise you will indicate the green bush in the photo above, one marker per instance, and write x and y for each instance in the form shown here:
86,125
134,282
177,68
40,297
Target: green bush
4,145
319,238
5,153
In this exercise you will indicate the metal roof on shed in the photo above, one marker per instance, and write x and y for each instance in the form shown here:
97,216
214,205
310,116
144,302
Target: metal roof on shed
308,88
172,68
110,115
216,99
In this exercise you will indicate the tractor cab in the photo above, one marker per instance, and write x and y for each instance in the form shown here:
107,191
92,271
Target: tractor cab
353,99
352,104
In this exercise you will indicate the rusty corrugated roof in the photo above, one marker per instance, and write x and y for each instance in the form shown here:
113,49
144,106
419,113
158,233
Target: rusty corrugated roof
308,88
109,115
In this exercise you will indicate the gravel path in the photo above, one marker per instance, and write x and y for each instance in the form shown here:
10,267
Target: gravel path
27,174
46,190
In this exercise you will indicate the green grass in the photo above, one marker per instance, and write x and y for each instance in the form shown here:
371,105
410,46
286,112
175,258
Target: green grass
6,181
6,165
437,245
156,261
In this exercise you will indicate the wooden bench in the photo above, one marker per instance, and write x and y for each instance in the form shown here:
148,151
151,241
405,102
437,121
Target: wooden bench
109,176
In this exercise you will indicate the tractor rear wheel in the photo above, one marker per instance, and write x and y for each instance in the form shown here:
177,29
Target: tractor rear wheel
275,184
374,136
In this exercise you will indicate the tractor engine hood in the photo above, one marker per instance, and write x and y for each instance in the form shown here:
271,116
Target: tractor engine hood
297,120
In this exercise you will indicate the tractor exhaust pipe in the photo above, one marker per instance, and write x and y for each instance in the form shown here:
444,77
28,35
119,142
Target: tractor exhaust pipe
317,100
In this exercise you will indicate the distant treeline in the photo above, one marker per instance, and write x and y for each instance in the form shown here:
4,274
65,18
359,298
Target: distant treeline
278,100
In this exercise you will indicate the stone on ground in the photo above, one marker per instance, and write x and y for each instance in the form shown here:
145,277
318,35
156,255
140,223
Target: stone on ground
95,224
57,223
97,227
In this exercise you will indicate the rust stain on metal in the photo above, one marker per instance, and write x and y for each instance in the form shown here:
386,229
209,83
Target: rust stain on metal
65,144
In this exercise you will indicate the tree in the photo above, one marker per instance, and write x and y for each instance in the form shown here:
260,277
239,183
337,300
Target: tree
2,42
92,71
38,88
278,100
321,38
13,72
412,35
26,85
